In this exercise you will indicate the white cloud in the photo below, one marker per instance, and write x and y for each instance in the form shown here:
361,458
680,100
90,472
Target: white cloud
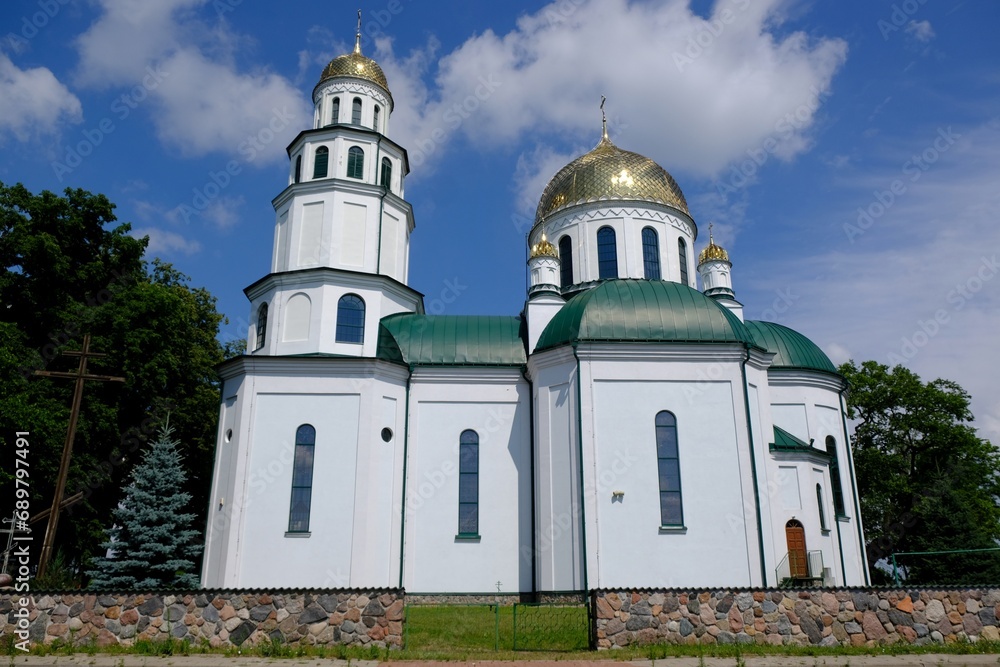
163,242
921,30
921,285
697,92
199,99
33,102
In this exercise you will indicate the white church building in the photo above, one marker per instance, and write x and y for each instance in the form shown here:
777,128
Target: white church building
627,429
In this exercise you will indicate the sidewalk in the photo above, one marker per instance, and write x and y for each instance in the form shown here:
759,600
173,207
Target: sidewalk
926,660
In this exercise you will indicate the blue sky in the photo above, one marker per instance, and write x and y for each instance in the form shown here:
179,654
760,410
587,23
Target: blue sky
847,152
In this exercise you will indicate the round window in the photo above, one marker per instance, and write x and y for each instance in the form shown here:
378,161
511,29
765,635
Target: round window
387,434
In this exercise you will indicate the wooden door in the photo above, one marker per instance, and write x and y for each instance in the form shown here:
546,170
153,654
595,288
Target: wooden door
795,536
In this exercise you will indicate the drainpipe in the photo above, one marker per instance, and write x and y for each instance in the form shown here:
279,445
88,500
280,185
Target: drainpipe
406,442
531,446
854,490
579,436
753,465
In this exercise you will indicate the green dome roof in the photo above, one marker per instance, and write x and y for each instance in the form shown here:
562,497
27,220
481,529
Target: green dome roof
791,349
643,311
451,340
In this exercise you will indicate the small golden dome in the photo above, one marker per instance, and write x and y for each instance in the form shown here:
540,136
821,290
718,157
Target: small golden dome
712,252
355,65
544,249
610,173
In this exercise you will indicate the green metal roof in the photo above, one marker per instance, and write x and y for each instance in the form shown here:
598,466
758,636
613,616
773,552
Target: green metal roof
786,442
791,349
643,311
451,340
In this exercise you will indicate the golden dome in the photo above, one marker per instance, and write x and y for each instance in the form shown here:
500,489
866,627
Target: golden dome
712,252
610,173
355,65
544,249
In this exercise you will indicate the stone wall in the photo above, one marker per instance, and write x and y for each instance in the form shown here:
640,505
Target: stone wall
825,617
219,618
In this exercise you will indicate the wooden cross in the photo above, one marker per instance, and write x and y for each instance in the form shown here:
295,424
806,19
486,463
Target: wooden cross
80,375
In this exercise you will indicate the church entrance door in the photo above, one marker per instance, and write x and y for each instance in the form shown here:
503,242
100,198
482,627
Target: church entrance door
795,536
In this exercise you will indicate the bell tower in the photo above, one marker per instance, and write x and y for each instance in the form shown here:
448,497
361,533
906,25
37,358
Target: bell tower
340,259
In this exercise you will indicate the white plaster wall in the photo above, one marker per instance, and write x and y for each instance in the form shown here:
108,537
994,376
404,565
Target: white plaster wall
713,549
269,556
436,560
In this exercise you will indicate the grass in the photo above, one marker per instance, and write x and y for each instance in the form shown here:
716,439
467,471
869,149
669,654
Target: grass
486,632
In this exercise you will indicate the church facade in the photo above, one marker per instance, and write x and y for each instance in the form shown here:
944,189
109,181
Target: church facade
625,430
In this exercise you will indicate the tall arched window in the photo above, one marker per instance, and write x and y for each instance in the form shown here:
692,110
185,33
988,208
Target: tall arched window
261,326
335,113
322,162
468,483
302,474
682,251
838,490
350,319
375,118
356,111
385,178
566,261
355,162
298,168
668,465
819,504
650,254
607,253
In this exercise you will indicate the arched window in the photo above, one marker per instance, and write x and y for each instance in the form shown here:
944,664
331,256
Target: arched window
375,118
566,261
335,113
668,465
322,162
650,254
302,474
355,162
819,504
356,111
350,319
838,490
261,326
298,168
386,176
607,253
682,251
468,483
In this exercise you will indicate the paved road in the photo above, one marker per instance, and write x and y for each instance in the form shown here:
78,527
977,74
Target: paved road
81,660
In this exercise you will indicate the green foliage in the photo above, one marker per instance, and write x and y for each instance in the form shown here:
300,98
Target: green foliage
927,481
66,269
60,576
152,540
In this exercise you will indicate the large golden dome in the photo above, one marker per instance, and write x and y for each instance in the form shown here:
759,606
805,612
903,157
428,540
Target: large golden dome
610,173
355,65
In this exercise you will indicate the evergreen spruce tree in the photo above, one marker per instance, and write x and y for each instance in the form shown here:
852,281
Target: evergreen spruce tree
152,542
